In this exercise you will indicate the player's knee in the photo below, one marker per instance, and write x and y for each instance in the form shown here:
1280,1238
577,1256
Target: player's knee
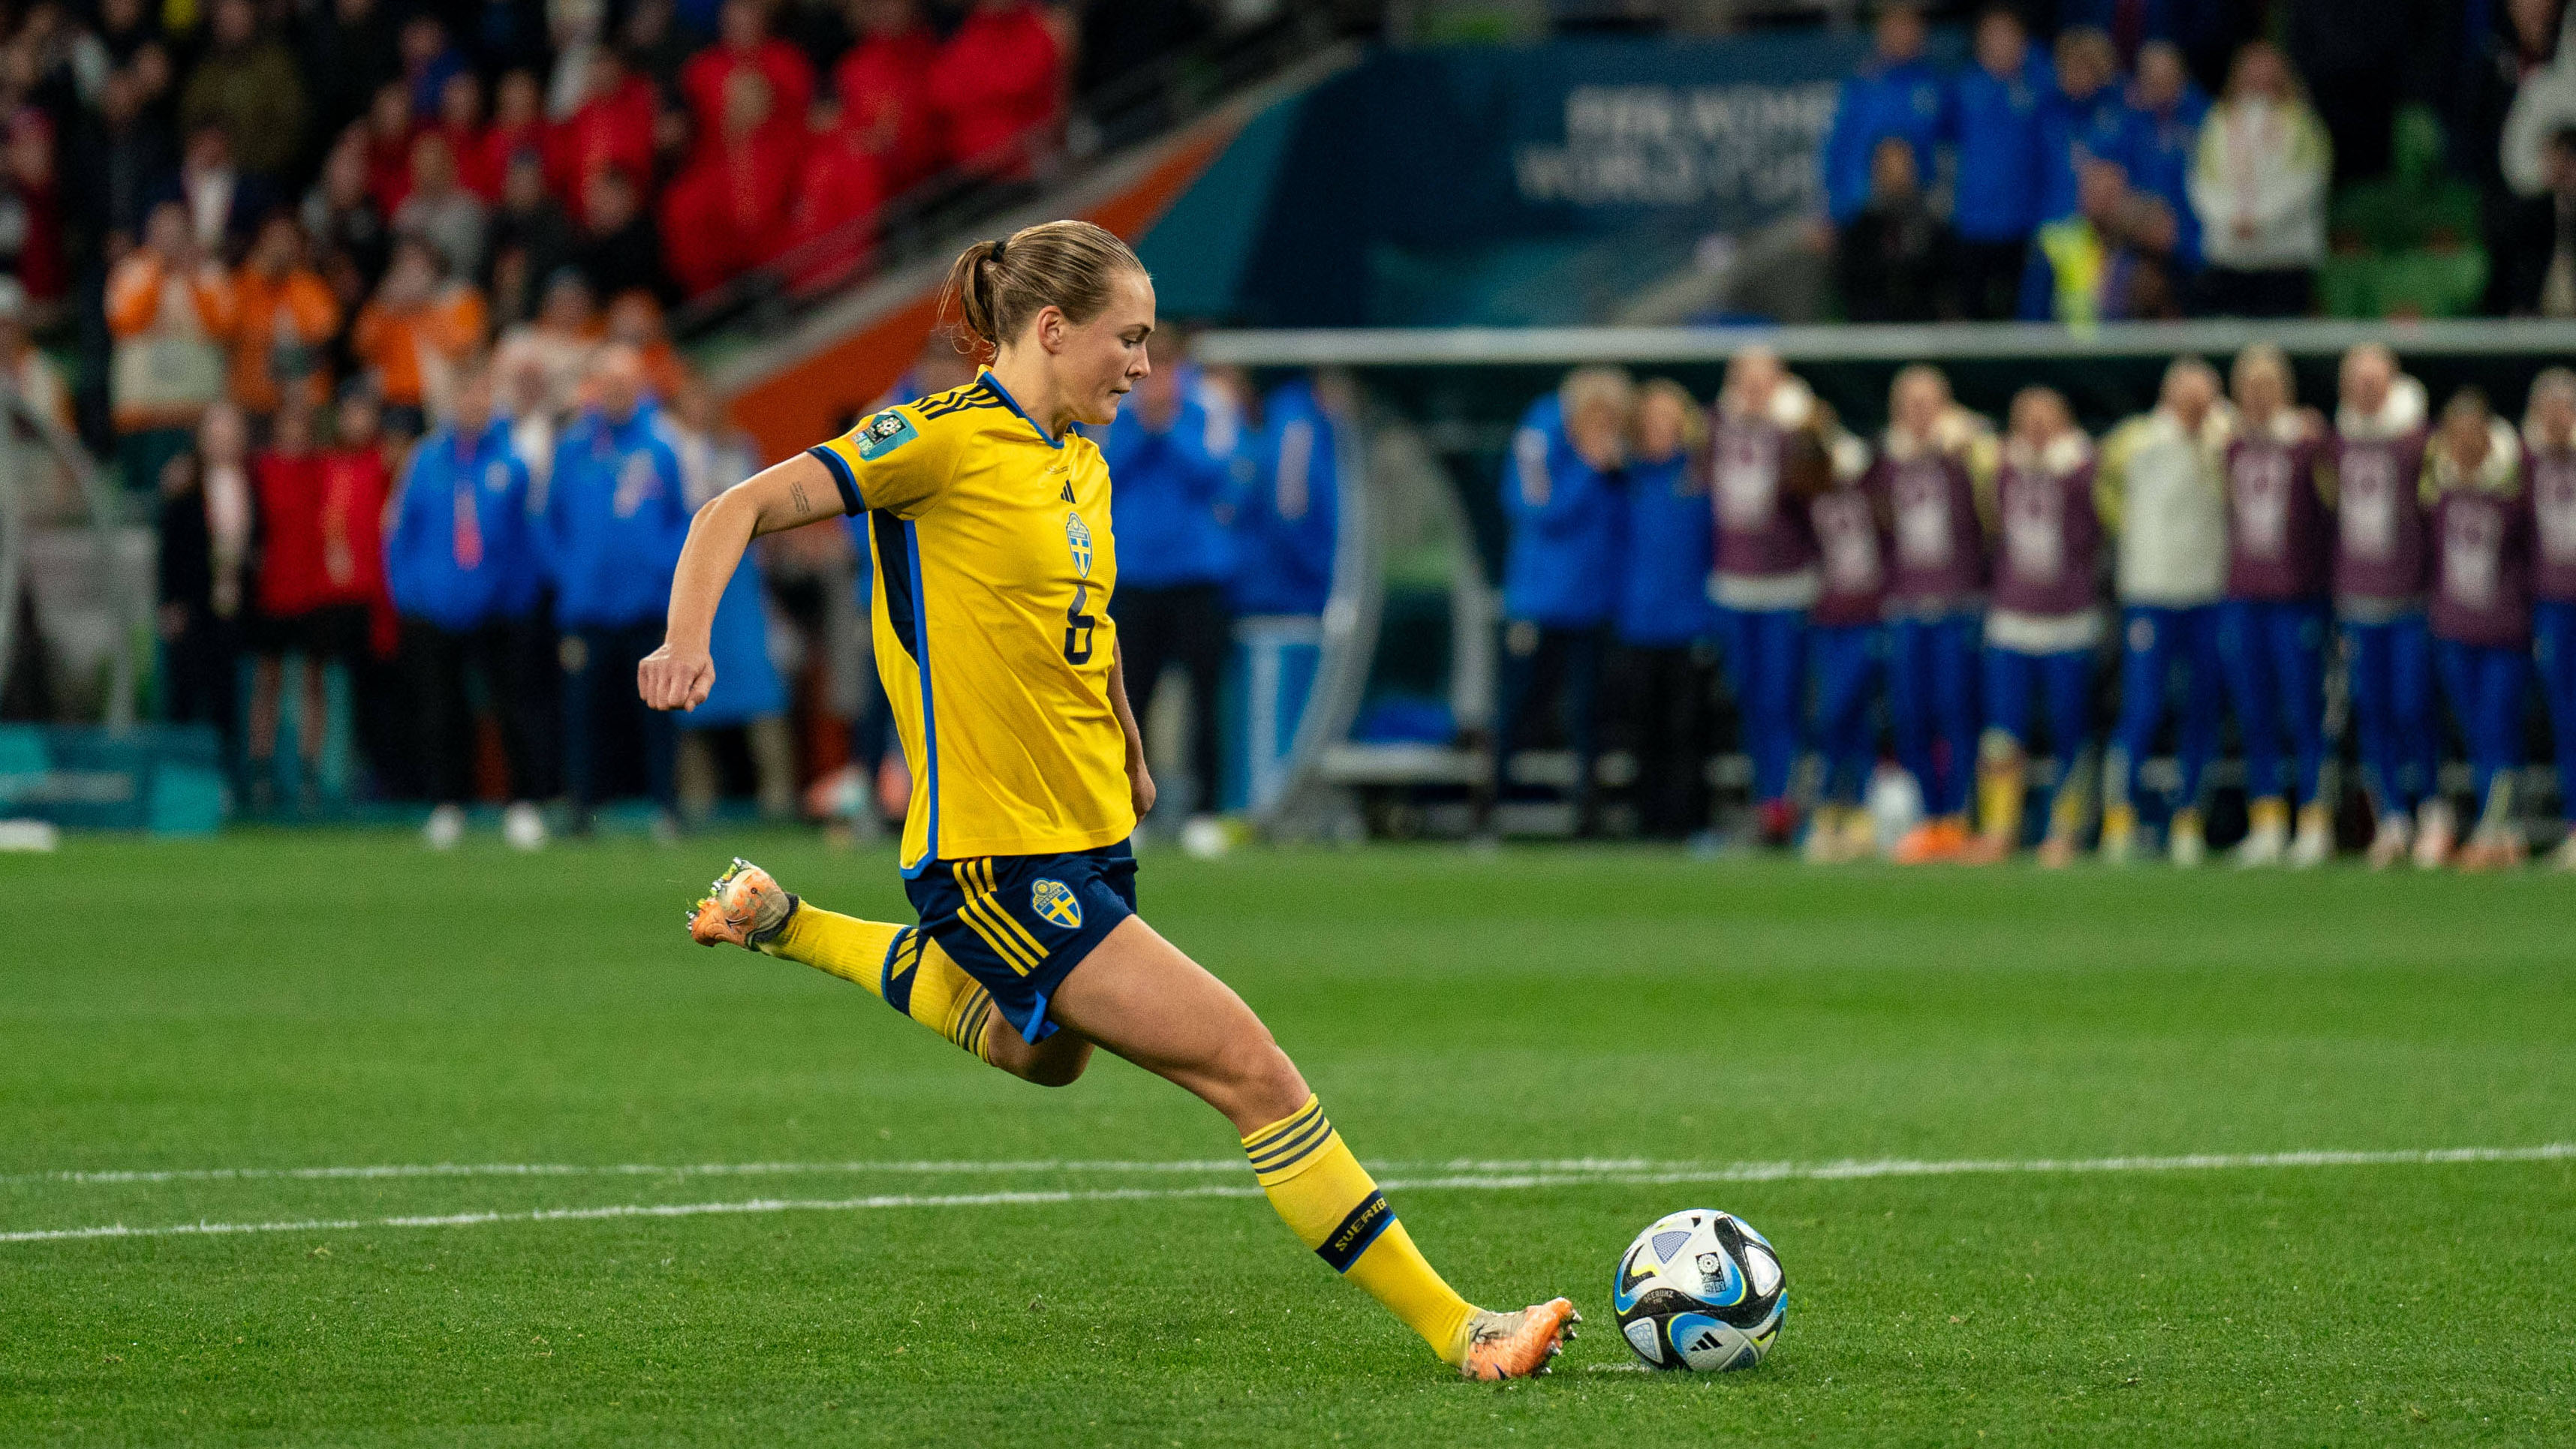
1260,1077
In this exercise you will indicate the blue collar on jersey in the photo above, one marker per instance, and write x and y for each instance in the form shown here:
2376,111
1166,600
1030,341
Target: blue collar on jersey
995,383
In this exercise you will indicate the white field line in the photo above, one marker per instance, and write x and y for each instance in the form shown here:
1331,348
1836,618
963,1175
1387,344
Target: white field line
1481,1178
1632,1168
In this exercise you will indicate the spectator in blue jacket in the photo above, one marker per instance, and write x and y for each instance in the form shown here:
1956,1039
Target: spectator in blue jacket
2170,107
1896,93
1996,107
1663,667
461,563
615,518
2086,119
1562,494
1171,455
1286,517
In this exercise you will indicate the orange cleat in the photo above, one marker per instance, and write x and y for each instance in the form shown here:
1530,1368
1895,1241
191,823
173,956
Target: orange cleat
1518,1345
745,906
1932,842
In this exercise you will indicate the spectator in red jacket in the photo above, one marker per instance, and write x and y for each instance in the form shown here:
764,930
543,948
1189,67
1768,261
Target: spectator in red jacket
728,211
469,142
613,127
838,188
518,121
321,572
390,127
998,88
745,45
884,87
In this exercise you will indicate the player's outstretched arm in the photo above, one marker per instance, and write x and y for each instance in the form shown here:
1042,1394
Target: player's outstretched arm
782,496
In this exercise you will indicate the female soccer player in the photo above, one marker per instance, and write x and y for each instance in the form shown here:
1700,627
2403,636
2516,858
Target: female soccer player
2272,625
994,564
1936,582
2549,433
2481,531
2377,456
2045,623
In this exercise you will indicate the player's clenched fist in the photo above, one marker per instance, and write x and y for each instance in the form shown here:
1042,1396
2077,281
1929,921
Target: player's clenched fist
669,679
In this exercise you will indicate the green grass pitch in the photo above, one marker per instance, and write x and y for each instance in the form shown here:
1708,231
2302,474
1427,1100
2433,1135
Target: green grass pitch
266,1002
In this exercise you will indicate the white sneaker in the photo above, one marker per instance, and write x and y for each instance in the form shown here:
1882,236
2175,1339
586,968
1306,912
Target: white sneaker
523,826
446,826
2263,846
2314,844
1204,837
2437,833
2389,844
2185,845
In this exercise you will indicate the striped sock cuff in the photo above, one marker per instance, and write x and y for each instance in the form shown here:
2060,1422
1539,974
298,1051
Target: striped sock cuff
1279,1150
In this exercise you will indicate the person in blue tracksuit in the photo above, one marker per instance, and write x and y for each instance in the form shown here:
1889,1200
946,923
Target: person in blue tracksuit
2085,119
1562,492
616,516
1171,457
1994,121
1288,510
2169,107
463,569
1662,667
1896,93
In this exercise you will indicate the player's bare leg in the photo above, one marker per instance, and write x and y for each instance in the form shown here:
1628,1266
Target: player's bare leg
1142,998
748,908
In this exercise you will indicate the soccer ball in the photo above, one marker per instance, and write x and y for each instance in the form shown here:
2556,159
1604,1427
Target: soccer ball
1700,1289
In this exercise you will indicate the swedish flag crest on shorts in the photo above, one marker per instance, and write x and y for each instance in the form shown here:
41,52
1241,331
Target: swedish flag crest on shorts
1051,899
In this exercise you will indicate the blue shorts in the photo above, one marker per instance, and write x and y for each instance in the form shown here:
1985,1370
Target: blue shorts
1018,923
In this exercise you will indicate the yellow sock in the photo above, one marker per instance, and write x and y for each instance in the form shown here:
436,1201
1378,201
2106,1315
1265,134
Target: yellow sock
1333,1206
2119,825
899,963
2269,813
1999,788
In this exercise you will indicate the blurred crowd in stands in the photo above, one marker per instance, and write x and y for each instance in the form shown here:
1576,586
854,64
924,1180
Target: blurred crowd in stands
487,590
2231,558
2161,158
266,200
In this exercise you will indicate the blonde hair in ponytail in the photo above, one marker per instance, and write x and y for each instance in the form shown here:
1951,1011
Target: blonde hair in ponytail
999,287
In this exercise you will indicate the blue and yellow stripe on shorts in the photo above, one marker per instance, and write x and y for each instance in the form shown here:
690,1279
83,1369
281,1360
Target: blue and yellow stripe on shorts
982,910
1018,923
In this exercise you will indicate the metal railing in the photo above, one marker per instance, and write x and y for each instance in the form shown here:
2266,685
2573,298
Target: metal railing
105,513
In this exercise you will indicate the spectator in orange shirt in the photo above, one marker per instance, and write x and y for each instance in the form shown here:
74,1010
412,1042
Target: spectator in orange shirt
998,87
170,310
744,45
287,316
420,324
884,85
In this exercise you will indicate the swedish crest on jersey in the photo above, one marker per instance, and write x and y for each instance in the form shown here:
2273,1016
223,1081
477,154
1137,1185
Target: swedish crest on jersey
1056,902
1077,537
884,433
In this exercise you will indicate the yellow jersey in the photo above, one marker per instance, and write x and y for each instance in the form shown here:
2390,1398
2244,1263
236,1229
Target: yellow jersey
994,563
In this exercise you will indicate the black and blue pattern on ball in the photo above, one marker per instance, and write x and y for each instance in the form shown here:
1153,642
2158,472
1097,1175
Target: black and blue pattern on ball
1700,1290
